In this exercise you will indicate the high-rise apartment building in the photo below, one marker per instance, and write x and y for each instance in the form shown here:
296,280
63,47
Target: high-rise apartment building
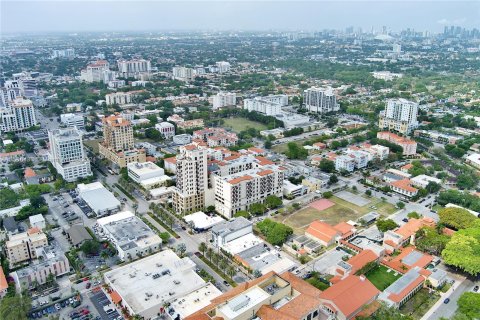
320,100
134,68
118,143
224,99
95,72
183,73
399,115
23,246
67,154
17,115
63,53
192,179
223,66
239,191
268,105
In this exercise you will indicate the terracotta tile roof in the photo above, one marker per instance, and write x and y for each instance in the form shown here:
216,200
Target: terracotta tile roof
29,172
398,262
322,231
404,184
33,230
256,150
13,153
360,260
190,147
240,179
3,280
263,161
413,225
448,232
350,294
344,227
265,172
171,159
407,166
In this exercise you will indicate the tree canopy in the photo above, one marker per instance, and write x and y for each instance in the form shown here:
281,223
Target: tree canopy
469,304
456,218
276,233
463,250
386,224
15,307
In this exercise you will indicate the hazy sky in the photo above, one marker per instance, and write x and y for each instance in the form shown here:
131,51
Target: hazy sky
68,15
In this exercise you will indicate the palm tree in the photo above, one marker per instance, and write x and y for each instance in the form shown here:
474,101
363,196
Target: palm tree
231,271
202,247
210,254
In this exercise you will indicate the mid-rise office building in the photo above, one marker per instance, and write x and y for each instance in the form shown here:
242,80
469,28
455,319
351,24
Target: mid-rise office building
400,115
63,53
23,246
192,179
121,97
134,68
67,154
224,99
268,105
320,100
17,115
118,144
94,72
73,120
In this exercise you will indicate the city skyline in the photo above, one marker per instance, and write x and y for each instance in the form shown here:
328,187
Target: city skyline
55,16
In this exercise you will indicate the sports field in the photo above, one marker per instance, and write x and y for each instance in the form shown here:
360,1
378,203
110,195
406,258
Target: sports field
341,210
238,124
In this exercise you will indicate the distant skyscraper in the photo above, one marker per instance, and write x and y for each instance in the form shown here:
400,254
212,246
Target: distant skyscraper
320,100
399,115
67,154
224,99
396,48
183,73
134,68
223,66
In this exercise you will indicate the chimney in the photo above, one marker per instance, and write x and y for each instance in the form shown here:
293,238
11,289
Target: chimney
362,278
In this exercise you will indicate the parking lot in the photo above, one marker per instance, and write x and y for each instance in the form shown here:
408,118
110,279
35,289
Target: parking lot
328,262
100,300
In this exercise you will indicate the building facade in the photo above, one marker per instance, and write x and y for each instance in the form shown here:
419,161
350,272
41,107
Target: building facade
400,115
320,100
192,179
224,99
134,68
73,120
17,115
24,246
67,154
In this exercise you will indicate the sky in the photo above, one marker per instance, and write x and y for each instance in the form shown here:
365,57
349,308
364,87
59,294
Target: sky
155,15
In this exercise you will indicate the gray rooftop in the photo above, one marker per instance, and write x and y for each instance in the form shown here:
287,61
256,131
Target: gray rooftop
78,234
100,199
10,224
403,282
412,258
259,256
227,227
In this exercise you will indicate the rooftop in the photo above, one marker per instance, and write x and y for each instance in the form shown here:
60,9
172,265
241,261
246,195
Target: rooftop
227,227
156,280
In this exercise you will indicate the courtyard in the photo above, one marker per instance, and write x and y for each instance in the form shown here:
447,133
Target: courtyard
381,277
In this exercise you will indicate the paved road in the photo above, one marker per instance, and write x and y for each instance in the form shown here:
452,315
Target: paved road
440,309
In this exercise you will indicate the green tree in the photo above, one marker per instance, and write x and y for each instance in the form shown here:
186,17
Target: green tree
469,304
463,250
386,224
181,249
273,202
15,307
368,192
430,240
90,247
202,247
268,144
326,165
433,187
294,151
414,215
456,218
328,194
276,233
333,179
165,236
385,312
400,205
466,181
242,213
257,209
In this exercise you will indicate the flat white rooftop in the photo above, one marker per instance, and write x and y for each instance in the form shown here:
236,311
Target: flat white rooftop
202,221
195,300
243,302
241,244
148,283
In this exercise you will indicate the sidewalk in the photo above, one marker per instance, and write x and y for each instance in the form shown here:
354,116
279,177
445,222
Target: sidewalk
443,296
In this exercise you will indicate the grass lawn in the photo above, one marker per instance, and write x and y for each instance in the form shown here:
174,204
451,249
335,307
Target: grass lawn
419,304
318,284
92,144
341,211
282,148
380,278
238,124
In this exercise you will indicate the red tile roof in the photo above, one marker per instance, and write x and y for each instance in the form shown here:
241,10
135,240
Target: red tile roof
350,294
322,231
3,280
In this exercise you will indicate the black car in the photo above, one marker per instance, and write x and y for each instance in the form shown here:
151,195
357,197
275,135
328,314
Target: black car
475,289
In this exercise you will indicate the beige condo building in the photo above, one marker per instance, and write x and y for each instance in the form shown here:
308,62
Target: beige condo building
118,144
23,246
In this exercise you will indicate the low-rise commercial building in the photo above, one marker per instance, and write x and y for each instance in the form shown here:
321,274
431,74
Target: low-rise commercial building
73,120
167,129
228,231
422,181
37,221
130,235
98,198
147,174
147,286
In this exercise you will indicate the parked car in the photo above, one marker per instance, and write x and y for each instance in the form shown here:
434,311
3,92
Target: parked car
446,300
475,289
